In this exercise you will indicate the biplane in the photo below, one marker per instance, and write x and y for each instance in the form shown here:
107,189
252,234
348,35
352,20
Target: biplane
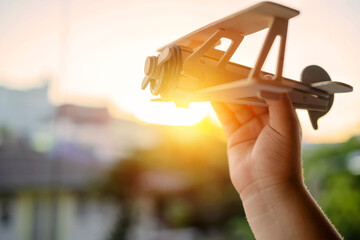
191,69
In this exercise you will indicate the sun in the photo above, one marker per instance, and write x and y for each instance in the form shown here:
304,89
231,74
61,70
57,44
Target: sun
169,114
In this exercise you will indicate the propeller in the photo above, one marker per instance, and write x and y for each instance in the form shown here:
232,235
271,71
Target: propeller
160,70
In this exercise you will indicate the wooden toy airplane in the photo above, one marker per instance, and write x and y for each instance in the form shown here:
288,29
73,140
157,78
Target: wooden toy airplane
190,69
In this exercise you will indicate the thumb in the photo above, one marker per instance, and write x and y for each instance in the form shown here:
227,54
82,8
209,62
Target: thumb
282,116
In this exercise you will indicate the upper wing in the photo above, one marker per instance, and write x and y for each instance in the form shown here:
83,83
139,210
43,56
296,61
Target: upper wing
244,22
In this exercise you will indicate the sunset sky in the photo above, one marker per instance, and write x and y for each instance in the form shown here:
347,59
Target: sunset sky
94,52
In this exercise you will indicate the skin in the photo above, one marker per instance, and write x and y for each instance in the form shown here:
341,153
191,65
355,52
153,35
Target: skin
264,153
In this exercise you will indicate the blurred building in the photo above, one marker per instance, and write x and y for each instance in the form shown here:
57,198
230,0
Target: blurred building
105,137
50,158
29,115
25,111
43,197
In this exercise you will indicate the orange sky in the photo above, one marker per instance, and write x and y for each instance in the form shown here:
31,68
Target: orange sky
96,49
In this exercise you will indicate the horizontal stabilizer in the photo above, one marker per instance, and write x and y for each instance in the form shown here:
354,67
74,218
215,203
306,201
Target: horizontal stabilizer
333,87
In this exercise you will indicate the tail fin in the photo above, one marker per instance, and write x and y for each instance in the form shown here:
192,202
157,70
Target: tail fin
314,74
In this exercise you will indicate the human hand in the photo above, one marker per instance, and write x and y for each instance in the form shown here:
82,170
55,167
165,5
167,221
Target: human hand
264,144
264,152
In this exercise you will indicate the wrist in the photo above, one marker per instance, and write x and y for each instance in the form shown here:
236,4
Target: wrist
271,188
270,204
285,210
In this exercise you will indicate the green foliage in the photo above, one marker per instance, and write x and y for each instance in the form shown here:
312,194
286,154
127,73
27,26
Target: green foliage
239,227
334,187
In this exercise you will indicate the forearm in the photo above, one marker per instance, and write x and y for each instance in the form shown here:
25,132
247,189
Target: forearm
285,211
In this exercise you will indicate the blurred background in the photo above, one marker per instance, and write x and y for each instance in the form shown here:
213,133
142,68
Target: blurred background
84,154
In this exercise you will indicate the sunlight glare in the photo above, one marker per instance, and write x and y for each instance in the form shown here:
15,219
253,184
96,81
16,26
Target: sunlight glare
169,114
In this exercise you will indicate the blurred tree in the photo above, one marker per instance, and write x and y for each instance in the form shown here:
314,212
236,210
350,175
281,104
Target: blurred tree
331,182
186,179
186,176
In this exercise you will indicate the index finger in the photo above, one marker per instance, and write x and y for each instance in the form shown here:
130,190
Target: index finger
226,117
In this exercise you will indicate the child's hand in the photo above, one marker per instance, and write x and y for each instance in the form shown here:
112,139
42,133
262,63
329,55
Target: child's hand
264,151
264,144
